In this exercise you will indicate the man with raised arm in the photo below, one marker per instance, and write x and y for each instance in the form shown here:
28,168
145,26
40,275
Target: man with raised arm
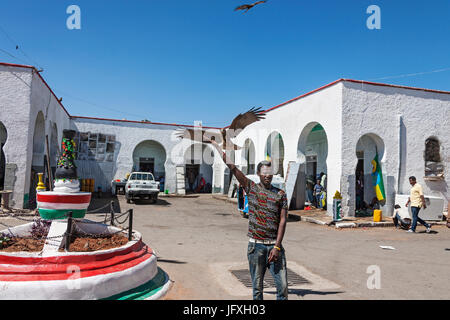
268,211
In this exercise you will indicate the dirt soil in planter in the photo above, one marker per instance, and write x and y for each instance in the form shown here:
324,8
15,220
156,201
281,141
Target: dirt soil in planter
86,244
27,245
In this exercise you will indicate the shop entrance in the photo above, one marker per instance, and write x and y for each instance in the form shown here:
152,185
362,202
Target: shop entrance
147,165
359,180
311,166
192,172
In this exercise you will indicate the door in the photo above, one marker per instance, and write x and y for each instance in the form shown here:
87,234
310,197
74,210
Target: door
147,165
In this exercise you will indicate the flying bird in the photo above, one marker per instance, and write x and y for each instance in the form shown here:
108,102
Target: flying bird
247,7
223,136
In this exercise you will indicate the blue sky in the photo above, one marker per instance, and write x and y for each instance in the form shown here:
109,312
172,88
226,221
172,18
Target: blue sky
181,61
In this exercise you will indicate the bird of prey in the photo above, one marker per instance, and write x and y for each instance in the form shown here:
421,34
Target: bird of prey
247,7
223,136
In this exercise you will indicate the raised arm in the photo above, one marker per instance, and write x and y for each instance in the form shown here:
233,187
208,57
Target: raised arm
234,170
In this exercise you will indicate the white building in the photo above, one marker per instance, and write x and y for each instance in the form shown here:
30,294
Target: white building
334,129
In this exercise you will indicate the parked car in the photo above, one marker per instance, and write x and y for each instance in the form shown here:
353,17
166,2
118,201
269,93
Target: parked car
141,185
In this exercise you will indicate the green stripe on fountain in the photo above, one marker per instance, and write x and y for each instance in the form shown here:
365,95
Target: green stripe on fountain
49,214
144,291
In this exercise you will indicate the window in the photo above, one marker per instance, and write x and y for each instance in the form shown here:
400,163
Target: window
434,168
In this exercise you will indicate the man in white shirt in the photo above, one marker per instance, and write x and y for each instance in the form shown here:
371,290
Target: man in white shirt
417,201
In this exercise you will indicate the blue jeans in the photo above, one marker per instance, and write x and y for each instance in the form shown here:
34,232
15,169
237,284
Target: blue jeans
403,223
318,201
415,218
258,255
310,196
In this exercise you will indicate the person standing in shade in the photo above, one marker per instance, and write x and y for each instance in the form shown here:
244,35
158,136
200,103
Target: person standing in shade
191,180
267,213
317,192
417,201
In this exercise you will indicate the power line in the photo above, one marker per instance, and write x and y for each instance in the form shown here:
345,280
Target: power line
97,105
18,47
13,56
412,74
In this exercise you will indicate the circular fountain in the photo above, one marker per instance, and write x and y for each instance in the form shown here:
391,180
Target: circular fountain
128,271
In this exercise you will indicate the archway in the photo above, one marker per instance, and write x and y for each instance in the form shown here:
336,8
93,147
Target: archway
275,152
198,161
150,156
312,152
3,137
367,147
249,157
38,160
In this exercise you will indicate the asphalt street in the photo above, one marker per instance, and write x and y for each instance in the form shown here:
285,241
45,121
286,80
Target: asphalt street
199,240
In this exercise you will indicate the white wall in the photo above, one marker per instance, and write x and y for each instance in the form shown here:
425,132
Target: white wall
23,95
403,119
128,136
15,89
322,107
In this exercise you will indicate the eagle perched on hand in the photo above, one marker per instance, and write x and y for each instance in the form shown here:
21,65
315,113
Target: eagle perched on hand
223,136
247,7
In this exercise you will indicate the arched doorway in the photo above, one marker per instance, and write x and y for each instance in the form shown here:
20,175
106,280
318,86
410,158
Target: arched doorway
367,147
3,137
249,157
38,160
275,152
150,156
312,152
198,161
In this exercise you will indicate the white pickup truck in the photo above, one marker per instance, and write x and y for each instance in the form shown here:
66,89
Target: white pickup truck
141,185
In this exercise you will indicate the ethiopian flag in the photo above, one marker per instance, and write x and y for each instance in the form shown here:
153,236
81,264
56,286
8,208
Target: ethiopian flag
377,178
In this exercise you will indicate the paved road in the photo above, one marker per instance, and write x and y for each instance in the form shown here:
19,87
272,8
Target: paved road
199,239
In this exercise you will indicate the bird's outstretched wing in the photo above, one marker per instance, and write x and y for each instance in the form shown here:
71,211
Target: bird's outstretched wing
249,6
243,120
243,7
203,137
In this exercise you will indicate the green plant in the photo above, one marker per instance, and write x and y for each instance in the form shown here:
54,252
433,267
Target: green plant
4,240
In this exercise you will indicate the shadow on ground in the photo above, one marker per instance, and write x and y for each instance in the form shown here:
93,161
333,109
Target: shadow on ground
159,202
293,218
172,261
304,292
103,204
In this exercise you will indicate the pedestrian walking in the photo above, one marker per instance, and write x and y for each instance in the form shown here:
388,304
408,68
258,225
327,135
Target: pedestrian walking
267,213
417,201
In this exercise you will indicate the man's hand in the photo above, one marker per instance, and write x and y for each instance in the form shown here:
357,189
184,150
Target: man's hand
273,255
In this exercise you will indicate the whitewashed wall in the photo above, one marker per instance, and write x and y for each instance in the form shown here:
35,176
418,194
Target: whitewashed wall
15,90
23,95
128,136
290,120
403,119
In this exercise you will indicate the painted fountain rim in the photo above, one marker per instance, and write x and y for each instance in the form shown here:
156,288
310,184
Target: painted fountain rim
137,237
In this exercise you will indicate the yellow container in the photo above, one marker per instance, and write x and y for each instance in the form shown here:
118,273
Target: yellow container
83,184
377,215
92,185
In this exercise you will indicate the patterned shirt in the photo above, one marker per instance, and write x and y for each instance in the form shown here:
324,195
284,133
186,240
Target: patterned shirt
264,210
